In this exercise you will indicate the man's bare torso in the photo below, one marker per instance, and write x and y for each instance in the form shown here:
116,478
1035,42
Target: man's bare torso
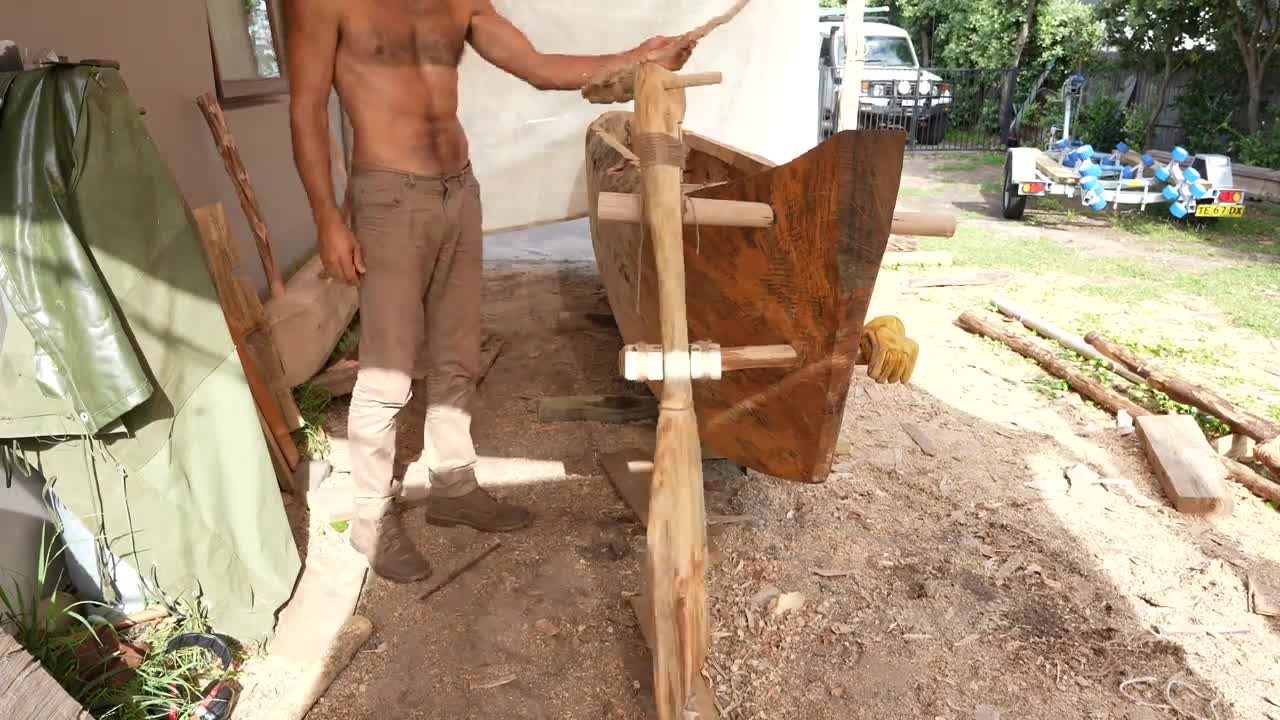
396,71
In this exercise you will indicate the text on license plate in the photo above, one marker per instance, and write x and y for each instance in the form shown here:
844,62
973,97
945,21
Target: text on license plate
1219,211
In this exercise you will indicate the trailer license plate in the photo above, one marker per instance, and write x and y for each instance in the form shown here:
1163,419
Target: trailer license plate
1234,211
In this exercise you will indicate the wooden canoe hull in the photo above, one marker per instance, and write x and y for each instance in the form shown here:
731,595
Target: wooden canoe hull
805,282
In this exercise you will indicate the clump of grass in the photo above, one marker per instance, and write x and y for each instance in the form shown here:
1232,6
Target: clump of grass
1049,386
313,402
57,634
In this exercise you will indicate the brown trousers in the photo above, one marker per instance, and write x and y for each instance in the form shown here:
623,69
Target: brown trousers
419,314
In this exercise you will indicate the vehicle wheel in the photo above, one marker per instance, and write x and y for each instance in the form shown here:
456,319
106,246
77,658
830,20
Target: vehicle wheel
1012,205
936,131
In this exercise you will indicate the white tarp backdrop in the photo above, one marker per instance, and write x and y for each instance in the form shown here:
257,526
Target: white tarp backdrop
527,146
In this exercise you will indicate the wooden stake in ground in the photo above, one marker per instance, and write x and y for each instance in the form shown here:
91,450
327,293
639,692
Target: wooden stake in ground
1086,386
1264,431
677,540
230,153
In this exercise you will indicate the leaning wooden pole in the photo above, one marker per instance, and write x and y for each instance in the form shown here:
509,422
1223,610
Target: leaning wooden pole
230,152
677,518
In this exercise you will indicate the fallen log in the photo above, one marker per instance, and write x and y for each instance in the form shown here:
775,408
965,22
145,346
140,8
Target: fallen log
1067,339
1086,386
1264,431
1252,481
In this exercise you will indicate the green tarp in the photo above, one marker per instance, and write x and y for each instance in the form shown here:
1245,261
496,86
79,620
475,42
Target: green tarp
120,381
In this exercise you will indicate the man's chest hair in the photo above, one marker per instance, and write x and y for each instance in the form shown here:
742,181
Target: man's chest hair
407,32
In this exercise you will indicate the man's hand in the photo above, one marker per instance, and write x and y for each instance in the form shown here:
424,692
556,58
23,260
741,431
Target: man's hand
889,354
340,252
669,52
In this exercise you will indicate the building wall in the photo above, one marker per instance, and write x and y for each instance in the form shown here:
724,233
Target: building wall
164,55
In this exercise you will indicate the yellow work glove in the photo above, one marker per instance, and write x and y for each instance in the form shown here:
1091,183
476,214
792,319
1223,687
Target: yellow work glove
889,354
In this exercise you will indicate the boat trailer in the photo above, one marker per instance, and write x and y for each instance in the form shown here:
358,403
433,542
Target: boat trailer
1199,186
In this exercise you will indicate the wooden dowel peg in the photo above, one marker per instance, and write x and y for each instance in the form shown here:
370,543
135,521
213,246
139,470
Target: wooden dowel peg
928,224
710,212
694,80
707,361
628,207
759,356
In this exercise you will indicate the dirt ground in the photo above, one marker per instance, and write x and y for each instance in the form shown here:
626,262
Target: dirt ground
974,582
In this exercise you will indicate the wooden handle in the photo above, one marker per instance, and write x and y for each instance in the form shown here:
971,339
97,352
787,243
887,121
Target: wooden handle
929,224
230,153
695,80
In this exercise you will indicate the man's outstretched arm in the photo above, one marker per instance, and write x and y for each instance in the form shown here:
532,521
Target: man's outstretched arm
312,42
504,45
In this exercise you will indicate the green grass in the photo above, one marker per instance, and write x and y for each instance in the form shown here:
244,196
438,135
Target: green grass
913,191
972,161
313,403
61,637
1049,386
1258,232
1246,292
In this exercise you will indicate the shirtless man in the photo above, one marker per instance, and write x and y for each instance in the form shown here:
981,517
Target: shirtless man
414,243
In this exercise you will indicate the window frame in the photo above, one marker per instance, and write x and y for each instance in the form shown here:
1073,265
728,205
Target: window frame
256,88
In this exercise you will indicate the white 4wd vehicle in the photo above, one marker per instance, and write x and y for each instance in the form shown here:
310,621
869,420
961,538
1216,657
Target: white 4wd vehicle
893,83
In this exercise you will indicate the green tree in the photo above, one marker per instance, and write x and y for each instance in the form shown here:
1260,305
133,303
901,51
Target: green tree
1174,31
1255,26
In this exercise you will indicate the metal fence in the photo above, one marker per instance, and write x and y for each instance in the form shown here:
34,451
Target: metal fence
939,108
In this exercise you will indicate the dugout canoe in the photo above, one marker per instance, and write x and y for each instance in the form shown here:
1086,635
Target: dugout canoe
805,280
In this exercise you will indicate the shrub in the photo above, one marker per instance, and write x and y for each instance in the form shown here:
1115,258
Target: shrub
1101,123
1207,106
1134,130
1261,149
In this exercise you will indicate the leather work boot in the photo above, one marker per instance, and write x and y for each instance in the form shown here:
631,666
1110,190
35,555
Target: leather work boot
477,509
377,534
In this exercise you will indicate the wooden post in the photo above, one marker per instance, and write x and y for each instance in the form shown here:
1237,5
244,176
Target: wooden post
677,517
230,153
